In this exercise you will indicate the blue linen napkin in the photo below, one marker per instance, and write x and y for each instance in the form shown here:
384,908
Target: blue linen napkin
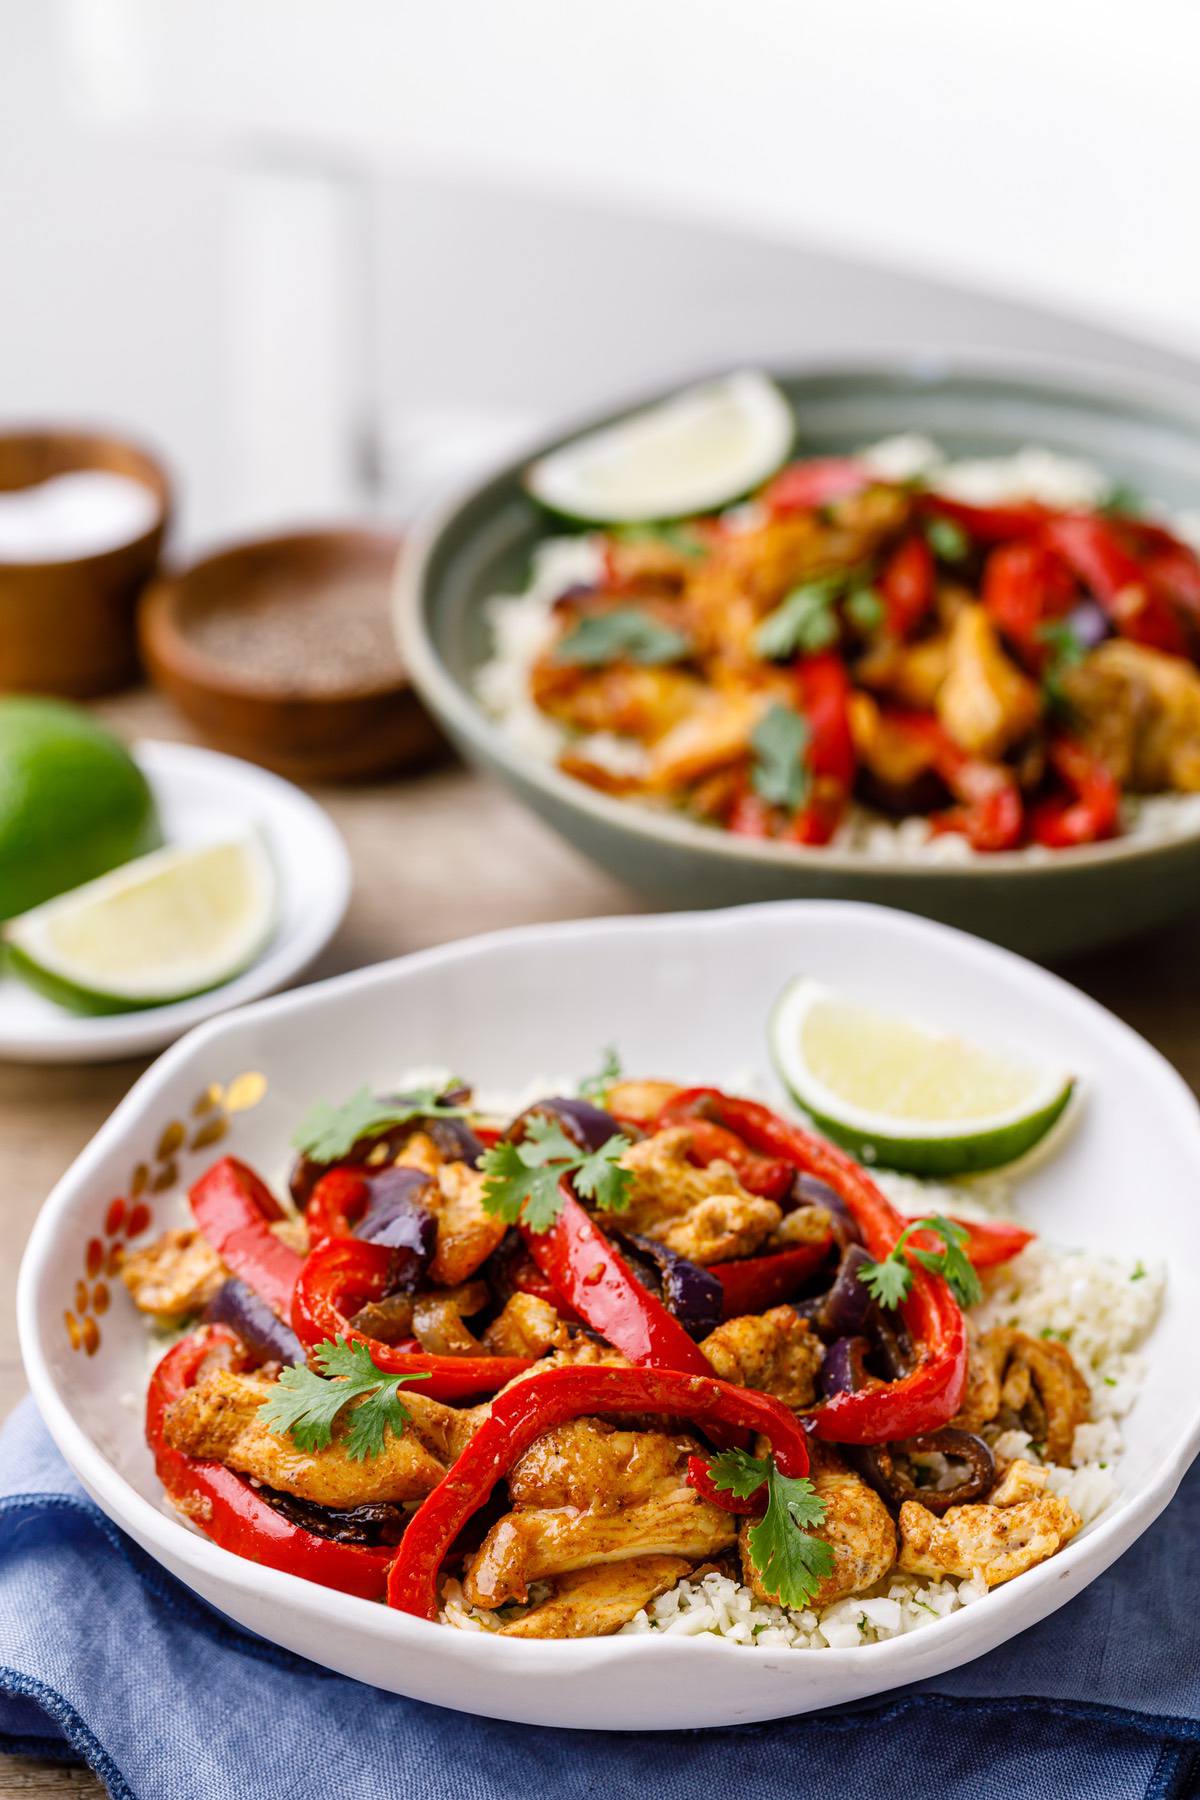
104,1657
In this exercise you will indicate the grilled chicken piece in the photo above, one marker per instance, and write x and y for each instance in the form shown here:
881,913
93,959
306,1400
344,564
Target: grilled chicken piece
466,1234
596,1602
526,1327
773,1351
1022,1480
910,673
1138,710
985,702
703,1214
218,1419
640,1099
176,1275
898,759
857,1526
715,732
636,701
1029,1382
807,1225
589,1492
996,1540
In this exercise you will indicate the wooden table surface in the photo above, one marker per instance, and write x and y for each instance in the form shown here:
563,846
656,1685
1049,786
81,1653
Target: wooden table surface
435,858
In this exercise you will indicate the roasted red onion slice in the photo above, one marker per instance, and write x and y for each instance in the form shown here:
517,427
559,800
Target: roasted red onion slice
693,1294
265,1333
589,1127
844,1368
878,1464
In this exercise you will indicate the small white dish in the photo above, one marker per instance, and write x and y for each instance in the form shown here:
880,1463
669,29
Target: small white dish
687,997
202,794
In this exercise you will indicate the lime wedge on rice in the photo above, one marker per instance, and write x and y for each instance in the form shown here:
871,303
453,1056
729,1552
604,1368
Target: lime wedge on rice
702,449
172,924
909,1098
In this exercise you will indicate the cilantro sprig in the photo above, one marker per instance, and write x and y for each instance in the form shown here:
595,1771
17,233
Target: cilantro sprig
626,632
328,1132
947,539
804,621
305,1405
790,1562
1065,650
522,1180
594,1087
890,1280
779,772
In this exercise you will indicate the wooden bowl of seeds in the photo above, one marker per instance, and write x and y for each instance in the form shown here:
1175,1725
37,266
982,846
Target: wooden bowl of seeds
280,650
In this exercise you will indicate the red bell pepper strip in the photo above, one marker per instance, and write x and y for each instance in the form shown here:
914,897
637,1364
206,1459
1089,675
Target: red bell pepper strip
1093,547
343,1274
749,1505
907,586
768,1176
224,1504
990,1242
525,1276
931,1394
991,812
817,482
1090,810
754,1283
335,1205
234,1209
1024,585
987,524
823,692
535,1406
584,1267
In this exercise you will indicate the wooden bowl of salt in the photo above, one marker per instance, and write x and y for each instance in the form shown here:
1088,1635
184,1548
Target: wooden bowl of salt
280,650
82,518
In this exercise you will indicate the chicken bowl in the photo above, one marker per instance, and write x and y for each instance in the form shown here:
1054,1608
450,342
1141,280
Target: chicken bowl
938,648
604,1391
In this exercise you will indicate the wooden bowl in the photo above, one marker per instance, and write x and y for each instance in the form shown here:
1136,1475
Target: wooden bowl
344,732
69,627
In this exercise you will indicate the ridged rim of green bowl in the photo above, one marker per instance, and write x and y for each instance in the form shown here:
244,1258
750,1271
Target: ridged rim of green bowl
1083,383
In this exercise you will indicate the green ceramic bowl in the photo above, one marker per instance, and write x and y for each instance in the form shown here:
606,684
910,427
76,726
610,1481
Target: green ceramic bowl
1140,431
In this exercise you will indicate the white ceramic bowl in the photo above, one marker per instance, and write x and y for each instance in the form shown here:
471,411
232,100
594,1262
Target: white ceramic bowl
682,996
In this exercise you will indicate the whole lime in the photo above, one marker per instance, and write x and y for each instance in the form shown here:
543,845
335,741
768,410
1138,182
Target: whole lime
73,803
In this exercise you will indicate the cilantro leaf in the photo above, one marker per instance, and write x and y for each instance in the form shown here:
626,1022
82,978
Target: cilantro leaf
737,1472
600,1177
790,1562
1122,501
865,609
887,1281
779,742
594,1087
522,1180
947,539
605,637
890,1280
328,1132
305,1405
803,621
1066,650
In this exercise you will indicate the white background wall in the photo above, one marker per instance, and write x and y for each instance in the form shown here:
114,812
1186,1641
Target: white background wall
118,255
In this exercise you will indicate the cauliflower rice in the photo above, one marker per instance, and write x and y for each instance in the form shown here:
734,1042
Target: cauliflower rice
522,624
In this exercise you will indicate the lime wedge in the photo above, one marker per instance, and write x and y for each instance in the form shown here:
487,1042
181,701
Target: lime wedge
702,449
906,1097
171,924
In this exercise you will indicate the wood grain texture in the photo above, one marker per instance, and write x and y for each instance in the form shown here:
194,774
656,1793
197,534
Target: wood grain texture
436,858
